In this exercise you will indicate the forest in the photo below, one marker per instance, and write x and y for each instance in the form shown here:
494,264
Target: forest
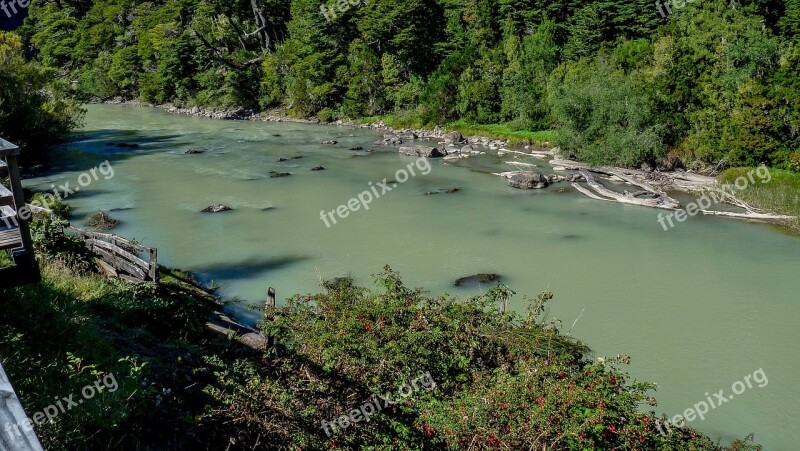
712,83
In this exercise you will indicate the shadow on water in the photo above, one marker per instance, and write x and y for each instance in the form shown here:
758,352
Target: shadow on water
247,268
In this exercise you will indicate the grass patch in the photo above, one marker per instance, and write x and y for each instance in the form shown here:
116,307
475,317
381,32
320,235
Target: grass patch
779,195
506,132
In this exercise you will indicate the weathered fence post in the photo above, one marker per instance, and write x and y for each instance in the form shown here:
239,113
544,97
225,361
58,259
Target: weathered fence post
154,264
271,314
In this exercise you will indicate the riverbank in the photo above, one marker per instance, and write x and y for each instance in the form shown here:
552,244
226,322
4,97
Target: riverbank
780,195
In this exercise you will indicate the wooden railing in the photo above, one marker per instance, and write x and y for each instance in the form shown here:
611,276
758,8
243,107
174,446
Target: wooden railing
16,432
15,235
120,257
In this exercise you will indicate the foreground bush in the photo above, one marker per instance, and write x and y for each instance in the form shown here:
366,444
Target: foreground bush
503,380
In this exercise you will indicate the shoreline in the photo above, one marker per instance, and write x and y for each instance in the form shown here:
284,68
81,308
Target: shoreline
655,181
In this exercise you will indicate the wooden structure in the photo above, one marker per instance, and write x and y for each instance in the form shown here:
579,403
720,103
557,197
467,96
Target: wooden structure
120,257
16,431
15,234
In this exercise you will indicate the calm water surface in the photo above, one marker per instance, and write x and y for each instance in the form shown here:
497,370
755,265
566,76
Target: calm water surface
698,307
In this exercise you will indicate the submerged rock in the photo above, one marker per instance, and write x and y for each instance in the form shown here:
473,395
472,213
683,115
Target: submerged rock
318,168
216,208
440,191
482,278
193,152
274,175
356,148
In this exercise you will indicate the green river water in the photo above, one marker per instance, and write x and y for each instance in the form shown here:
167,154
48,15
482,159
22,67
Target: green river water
698,307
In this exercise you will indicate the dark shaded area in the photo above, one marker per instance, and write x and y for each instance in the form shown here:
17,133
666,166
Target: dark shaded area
247,268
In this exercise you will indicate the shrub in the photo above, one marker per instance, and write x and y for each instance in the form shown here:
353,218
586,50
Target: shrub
794,161
503,380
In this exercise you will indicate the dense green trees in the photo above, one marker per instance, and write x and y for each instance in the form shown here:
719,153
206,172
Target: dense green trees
620,83
33,113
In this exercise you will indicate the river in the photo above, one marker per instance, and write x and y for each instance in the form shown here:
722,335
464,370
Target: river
698,307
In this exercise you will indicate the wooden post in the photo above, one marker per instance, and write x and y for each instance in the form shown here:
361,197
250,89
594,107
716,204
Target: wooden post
154,264
19,203
271,315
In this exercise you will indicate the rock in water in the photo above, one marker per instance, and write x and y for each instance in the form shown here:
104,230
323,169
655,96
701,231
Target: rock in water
422,151
331,142
318,168
216,208
193,152
454,138
482,278
528,180
273,174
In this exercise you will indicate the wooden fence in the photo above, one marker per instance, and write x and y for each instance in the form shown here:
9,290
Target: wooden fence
120,257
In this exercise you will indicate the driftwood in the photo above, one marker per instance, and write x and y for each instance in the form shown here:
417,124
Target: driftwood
661,201
749,215
684,181
589,193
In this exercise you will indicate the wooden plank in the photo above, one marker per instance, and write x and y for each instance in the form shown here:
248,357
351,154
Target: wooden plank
6,196
10,239
129,278
8,149
120,252
110,237
119,263
107,269
6,212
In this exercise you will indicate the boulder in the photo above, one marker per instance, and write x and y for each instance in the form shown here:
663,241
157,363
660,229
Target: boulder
454,138
216,208
318,168
331,142
422,151
528,180
407,135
